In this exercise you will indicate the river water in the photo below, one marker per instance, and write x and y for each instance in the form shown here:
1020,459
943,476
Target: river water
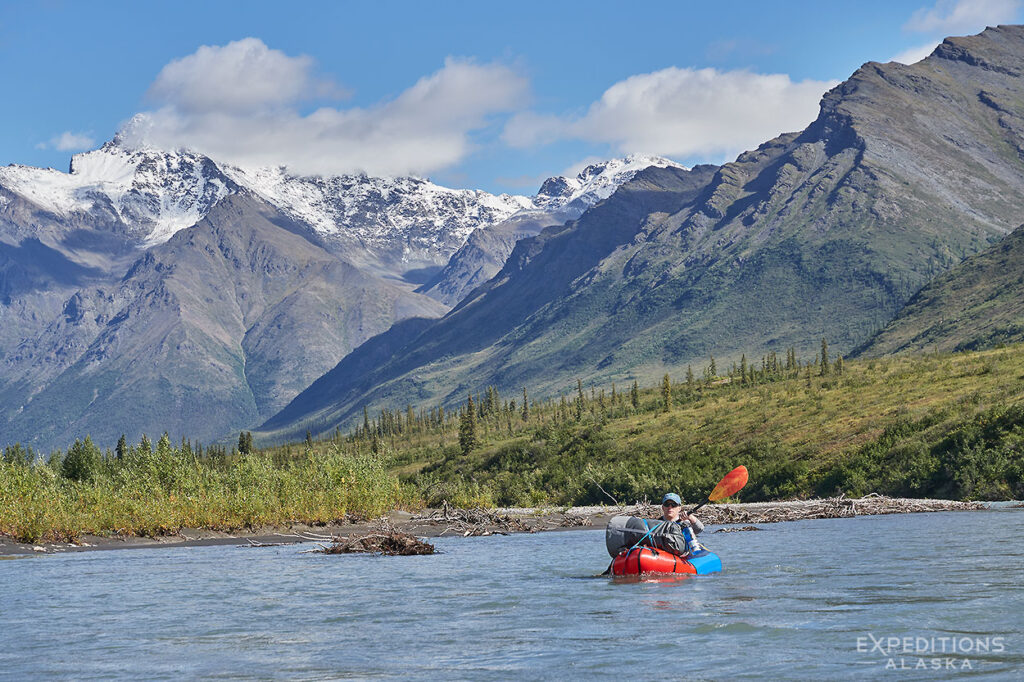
867,597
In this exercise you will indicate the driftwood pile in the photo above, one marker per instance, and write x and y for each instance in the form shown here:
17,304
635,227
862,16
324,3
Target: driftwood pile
573,520
384,540
646,510
828,508
473,522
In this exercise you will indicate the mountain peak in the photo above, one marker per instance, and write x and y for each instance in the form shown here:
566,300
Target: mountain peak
595,182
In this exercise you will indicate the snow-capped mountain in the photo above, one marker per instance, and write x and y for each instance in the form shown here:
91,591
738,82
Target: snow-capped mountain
152,194
147,290
559,199
406,221
392,225
594,183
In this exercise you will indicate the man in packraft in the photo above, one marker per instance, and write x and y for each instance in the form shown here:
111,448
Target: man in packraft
675,525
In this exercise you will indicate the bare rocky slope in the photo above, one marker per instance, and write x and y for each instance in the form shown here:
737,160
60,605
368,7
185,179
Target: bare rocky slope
826,232
210,331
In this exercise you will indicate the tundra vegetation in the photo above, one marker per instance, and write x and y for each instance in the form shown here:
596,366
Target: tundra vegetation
935,425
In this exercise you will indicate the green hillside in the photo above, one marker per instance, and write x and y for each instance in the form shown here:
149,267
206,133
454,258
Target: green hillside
942,425
937,425
979,304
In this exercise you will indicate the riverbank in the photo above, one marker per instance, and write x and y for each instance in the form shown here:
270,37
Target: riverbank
449,521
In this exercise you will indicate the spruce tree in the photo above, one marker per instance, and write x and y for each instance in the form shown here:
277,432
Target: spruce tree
666,393
824,357
122,447
689,377
711,371
309,440
634,395
526,406
82,463
467,427
743,368
492,400
579,400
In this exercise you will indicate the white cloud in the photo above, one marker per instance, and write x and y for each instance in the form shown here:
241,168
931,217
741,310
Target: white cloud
69,142
237,78
238,103
963,16
575,169
916,54
680,112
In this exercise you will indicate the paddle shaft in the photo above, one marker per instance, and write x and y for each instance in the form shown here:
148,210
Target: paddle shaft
694,510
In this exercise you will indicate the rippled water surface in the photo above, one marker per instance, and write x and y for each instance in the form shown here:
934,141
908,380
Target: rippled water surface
806,599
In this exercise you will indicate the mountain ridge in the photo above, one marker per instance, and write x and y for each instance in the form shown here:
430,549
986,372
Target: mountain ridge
95,312
824,232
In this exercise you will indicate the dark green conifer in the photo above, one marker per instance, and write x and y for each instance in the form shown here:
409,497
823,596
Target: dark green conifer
82,462
579,400
467,427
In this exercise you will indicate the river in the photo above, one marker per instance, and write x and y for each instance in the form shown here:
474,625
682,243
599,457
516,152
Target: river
918,596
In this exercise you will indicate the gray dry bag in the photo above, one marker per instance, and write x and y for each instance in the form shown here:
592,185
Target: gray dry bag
625,531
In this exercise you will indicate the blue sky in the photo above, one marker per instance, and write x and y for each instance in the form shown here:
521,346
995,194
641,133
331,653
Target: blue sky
488,95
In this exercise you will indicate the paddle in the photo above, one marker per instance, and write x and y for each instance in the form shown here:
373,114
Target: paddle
727,487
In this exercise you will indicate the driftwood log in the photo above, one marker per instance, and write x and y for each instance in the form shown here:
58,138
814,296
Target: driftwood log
384,540
476,521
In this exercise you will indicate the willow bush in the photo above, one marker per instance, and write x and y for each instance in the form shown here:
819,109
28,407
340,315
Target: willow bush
155,491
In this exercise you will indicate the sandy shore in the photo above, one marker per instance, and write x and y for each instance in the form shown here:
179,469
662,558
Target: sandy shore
454,522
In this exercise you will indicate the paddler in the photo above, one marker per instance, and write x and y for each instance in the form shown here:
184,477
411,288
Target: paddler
689,527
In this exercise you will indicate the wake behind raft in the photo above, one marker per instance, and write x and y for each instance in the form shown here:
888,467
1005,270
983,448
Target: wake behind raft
637,547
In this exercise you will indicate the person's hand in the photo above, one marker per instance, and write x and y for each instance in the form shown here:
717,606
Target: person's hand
691,518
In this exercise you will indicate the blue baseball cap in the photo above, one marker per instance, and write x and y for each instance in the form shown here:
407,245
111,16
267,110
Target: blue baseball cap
671,497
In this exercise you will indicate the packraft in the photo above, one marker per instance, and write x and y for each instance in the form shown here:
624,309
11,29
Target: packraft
654,546
640,560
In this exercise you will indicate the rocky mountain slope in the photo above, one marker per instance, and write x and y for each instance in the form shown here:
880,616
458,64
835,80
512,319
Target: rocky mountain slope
150,290
825,232
559,199
976,305
207,332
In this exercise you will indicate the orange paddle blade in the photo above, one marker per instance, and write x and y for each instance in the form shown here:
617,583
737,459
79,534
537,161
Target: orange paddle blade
730,484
